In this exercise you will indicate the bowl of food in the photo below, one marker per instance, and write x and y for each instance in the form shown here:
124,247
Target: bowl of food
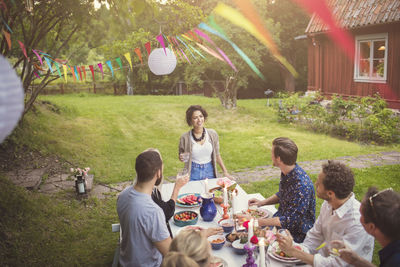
238,247
216,241
186,217
227,225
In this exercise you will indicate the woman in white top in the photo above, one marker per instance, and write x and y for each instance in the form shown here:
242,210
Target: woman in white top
199,147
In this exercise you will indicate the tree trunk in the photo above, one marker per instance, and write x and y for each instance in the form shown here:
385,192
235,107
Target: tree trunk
129,82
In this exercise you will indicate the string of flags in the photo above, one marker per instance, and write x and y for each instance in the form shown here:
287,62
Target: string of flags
247,19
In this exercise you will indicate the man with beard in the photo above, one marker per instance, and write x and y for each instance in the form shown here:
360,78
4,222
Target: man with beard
145,236
339,218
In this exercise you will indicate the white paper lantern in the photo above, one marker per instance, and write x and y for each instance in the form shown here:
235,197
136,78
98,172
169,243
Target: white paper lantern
161,64
11,98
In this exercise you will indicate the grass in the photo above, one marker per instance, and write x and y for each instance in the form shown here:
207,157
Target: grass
381,177
108,132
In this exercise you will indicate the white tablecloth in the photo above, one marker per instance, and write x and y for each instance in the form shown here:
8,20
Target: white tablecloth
226,252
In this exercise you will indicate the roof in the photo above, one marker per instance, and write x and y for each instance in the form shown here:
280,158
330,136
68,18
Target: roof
358,13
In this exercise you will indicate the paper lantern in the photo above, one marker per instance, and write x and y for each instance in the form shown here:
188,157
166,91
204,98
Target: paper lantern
162,63
11,98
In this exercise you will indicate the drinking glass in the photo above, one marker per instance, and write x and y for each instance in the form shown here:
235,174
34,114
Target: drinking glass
185,156
183,173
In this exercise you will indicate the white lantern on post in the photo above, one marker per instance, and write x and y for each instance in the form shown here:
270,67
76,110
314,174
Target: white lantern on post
162,63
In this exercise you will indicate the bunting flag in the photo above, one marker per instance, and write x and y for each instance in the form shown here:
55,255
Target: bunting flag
238,19
220,33
92,70
37,75
76,73
49,64
161,40
128,57
101,70
43,53
119,62
210,51
177,51
183,53
8,39
108,62
148,48
65,72
208,39
58,69
194,36
84,72
186,46
23,49
38,56
191,47
72,73
338,35
80,73
137,51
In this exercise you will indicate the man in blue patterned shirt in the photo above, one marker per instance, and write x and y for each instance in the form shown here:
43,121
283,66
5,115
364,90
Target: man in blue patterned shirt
296,195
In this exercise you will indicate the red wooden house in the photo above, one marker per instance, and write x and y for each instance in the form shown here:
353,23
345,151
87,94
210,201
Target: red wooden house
375,25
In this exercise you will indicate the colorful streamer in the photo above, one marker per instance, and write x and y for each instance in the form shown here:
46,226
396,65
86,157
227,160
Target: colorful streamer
80,73
72,73
108,62
58,69
37,75
23,49
119,62
148,48
128,57
183,53
76,73
208,39
137,51
5,23
219,32
186,47
38,56
210,51
238,19
92,70
8,39
338,35
101,70
49,64
84,71
161,40
65,72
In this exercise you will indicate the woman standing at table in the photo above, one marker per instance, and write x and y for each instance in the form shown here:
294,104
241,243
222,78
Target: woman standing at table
199,147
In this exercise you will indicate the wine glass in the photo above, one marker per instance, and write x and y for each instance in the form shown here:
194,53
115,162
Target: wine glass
182,173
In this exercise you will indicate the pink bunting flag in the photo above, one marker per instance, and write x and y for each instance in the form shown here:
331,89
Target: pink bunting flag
208,39
342,37
92,70
137,51
8,39
148,48
101,70
84,71
23,49
38,56
161,40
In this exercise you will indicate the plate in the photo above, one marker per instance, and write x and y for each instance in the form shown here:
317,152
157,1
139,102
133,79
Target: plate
271,252
215,260
259,213
185,205
188,227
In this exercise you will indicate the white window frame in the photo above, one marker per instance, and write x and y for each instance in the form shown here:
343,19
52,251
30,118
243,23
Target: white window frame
371,38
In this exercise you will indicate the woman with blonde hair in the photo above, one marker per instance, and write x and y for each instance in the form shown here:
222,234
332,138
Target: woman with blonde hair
178,259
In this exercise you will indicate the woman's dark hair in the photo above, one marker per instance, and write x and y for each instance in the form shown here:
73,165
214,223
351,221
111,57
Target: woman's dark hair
384,211
286,150
338,178
193,108
147,164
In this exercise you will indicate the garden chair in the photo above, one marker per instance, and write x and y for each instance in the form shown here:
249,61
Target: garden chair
116,227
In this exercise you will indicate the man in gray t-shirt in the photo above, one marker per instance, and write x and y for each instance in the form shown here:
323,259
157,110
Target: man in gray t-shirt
145,236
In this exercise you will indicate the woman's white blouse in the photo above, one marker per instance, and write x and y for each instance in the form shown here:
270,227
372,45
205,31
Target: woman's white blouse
201,154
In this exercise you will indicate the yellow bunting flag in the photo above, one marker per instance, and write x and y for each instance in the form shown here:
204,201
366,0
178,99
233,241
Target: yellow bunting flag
128,57
65,72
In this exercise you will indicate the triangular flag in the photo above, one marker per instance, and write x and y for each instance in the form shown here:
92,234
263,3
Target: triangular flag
101,70
177,49
65,72
76,73
80,73
38,56
58,69
8,39
108,62
148,48
161,40
23,49
72,73
92,70
84,71
137,51
119,63
128,57
49,64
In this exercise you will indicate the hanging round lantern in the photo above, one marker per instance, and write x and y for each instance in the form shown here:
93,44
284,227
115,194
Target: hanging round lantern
162,63
11,98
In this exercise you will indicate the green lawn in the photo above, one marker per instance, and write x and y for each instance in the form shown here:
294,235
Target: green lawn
108,132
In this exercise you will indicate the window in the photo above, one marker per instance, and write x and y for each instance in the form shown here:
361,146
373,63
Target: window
371,58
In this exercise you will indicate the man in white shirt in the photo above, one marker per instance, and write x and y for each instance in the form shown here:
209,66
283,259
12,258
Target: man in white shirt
339,218
145,236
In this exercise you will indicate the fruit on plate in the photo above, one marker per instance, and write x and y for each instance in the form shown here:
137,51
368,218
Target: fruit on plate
185,216
188,200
